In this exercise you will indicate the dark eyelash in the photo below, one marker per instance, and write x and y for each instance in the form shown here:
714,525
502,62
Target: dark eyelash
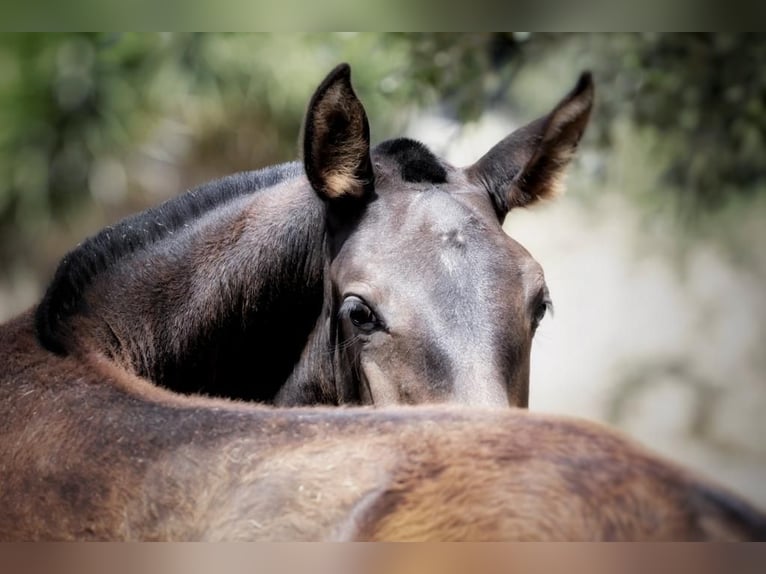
549,309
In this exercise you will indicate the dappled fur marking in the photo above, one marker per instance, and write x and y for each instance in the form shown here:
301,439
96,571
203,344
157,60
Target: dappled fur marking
416,162
96,254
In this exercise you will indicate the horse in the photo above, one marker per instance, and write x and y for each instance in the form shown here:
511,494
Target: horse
90,451
361,275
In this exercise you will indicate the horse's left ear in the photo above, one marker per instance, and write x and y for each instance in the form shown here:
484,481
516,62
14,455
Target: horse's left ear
529,164
336,139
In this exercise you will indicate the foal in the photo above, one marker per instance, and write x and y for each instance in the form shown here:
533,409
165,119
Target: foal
373,276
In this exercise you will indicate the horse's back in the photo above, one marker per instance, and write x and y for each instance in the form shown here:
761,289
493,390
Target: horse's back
94,453
530,477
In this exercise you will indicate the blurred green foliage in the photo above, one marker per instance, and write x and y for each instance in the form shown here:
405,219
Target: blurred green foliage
73,107
60,105
702,95
705,95
69,101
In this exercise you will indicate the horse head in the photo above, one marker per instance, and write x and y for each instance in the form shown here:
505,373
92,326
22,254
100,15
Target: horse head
427,299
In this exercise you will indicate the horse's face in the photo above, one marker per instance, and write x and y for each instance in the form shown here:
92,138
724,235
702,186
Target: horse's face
435,302
431,300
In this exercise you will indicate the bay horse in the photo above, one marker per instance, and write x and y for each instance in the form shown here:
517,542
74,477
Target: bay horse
89,451
361,275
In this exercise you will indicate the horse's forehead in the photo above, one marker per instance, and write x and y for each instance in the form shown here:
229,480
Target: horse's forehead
435,238
434,219
440,213
423,213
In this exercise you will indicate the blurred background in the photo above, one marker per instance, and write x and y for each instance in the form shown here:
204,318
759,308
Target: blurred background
655,257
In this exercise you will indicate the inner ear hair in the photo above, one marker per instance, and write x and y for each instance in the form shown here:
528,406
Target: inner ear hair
543,175
337,139
529,164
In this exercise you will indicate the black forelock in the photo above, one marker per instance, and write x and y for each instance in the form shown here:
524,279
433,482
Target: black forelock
77,269
416,162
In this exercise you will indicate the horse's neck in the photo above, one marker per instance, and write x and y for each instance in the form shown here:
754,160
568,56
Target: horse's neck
314,381
223,307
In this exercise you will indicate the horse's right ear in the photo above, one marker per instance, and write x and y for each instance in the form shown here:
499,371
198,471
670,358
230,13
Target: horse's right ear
529,164
336,139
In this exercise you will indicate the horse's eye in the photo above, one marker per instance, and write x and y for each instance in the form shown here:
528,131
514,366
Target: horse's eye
360,314
540,310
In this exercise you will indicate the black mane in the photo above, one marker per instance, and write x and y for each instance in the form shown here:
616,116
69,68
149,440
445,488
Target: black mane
416,162
77,269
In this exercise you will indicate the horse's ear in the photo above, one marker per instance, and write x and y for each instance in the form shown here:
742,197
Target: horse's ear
336,139
529,164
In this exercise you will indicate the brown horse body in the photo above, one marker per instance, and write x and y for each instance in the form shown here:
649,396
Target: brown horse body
89,451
